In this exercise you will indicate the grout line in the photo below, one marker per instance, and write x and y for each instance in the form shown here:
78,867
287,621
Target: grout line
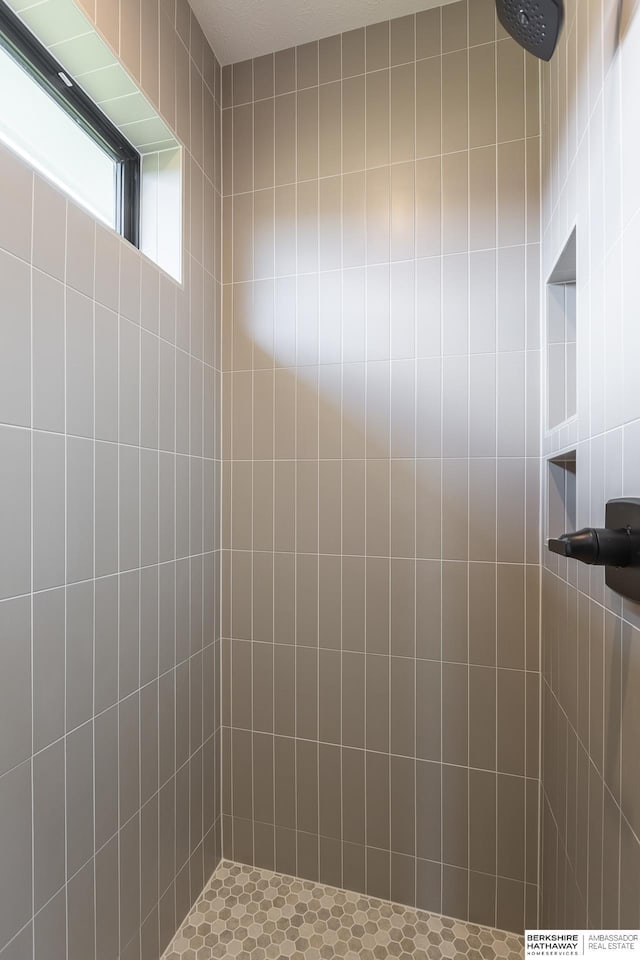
468,452
295,472
66,589
541,509
496,493
415,483
317,469
342,324
31,561
273,504
253,407
389,475
119,578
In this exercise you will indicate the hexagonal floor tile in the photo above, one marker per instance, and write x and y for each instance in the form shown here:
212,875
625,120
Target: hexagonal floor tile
250,914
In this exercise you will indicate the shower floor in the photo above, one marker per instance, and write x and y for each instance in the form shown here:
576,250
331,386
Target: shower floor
253,914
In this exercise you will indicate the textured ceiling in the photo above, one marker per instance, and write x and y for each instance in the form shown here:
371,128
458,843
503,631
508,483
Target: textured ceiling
241,29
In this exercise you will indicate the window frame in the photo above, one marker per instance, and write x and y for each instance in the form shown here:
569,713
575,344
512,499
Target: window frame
21,44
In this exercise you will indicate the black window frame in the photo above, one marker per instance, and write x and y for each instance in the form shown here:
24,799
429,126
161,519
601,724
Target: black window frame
21,44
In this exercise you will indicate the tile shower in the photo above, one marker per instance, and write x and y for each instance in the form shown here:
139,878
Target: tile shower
272,577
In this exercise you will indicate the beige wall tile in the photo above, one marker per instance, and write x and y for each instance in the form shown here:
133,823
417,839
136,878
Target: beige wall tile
402,40
329,412
149,47
455,285
307,227
263,77
482,22
455,178
429,107
377,118
285,139
353,52
378,215
330,252
428,212
454,26
482,95
428,525
285,71
329,603
353,592
353,343
242,82
403,88
263,234
403,311
482,198
510,77
329,507
330,126
377,46
353,124
263,143
353,479
429,33
307,65
455,96
398,328
378,295
243,149
285,230
511,193
307,134
402,212
330,59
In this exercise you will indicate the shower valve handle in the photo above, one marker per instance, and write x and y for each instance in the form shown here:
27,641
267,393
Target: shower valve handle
600,547
616,546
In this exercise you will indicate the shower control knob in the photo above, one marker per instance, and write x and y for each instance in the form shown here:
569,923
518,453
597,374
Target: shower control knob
616,547
603,548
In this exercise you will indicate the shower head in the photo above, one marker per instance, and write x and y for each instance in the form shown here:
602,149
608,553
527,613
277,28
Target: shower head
534,24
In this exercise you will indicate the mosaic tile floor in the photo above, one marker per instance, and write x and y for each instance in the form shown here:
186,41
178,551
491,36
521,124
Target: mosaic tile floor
250,914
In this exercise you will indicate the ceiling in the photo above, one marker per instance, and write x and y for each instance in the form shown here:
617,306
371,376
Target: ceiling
242,29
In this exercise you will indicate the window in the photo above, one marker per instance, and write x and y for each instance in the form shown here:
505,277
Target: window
55,126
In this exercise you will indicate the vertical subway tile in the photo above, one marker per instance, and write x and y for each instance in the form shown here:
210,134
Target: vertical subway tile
377,118
48,353
15,236
15,343
16,849
15,483
48,510
353,53
49,223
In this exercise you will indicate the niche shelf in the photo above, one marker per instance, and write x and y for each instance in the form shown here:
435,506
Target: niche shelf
562,512
561,338
561,494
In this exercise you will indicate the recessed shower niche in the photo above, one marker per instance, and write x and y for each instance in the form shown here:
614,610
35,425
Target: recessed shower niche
561,337
561,494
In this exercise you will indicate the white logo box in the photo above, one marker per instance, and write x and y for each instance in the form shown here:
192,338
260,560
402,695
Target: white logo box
581,943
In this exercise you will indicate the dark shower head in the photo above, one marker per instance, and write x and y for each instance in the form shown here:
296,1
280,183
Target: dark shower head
535,24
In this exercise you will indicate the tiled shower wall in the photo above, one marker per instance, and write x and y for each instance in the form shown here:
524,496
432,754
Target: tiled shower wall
591,640
381,464
109,466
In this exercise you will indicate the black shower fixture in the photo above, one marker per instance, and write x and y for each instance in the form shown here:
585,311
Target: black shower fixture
534,24
616,546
